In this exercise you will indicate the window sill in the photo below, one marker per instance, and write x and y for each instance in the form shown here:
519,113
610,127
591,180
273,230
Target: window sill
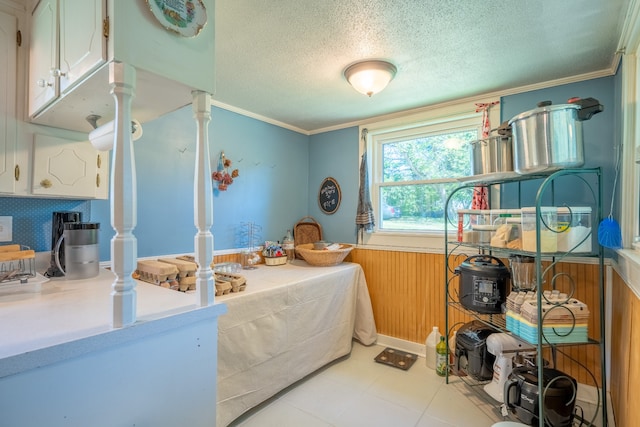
628,267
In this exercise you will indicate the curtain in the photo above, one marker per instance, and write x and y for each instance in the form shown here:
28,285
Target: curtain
480,195
365,220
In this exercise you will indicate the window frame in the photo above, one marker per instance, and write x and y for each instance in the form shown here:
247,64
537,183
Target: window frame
630,161
439,118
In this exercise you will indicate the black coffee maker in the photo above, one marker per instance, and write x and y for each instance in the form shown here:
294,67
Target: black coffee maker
521,396
57,230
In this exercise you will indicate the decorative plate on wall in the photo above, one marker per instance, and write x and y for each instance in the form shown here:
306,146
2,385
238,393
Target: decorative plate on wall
329,196
184,17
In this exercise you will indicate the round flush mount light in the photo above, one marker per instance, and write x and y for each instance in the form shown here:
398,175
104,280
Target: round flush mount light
370,77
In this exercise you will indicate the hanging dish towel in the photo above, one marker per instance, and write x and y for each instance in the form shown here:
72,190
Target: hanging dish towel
365,220
480,196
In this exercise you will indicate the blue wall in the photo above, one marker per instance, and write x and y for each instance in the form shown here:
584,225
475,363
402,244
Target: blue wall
270,191
280,175
335,154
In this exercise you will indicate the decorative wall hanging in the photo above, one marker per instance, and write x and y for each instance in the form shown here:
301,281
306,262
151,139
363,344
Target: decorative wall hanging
183,17
222,175
329,196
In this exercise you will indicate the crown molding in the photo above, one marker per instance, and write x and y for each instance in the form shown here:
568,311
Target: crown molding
496,94
258,117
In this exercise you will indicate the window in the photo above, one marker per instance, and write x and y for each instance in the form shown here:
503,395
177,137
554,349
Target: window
415,163
630,167
416,173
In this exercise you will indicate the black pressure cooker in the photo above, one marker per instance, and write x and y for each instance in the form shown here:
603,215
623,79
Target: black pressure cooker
484,281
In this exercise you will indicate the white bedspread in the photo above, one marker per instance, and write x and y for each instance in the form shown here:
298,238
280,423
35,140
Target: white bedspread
290,321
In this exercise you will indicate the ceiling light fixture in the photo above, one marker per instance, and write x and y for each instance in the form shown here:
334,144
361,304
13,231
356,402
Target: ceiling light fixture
370,77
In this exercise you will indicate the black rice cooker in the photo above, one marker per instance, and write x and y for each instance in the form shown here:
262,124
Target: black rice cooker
521,396
484,281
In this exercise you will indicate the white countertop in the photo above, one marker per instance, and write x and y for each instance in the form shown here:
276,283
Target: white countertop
71,317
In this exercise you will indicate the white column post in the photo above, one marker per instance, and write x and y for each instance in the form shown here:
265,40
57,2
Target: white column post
124,246
203,200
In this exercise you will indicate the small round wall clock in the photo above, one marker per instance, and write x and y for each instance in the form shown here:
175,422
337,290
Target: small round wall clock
329,196
183,17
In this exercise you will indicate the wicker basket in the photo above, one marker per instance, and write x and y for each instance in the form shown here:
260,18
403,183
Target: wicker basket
323,258
307,230
278,260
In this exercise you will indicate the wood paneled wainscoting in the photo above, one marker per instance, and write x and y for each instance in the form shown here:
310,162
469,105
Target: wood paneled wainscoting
625,353
407,293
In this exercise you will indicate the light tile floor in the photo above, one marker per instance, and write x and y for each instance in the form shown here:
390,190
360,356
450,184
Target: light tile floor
356,391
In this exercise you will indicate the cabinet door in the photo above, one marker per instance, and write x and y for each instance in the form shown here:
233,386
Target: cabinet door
64,168
43,56
82,45
8,98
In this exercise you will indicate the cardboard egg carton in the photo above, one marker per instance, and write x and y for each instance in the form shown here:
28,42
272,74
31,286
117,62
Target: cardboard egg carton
192,259
186,272
158,273
568,312
238,282
185,268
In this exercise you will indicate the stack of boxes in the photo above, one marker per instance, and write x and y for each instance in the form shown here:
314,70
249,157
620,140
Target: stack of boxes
564,320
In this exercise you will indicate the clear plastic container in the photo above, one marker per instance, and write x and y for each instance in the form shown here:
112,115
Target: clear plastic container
548,224
499,216
506,224
470,223
574,229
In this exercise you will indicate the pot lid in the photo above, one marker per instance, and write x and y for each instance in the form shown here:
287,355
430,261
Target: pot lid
545,109
505,138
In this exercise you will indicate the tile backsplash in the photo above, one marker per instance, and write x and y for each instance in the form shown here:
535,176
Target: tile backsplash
32,218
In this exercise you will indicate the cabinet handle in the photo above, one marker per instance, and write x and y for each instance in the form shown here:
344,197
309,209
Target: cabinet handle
43,83
16,172
105,27
55,72
99,161
98,180
46,183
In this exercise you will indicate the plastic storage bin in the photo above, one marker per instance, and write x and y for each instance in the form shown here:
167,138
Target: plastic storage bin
507,231
574,229
474,226
547,222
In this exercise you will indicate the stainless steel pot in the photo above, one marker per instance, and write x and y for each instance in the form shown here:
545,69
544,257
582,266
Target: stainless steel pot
549,137
491,155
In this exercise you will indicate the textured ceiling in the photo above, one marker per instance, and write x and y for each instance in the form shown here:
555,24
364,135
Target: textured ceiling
283,59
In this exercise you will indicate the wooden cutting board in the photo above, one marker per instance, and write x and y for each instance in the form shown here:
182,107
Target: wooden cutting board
16,255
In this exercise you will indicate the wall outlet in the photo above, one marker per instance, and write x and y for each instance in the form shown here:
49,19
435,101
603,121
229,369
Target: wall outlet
6,228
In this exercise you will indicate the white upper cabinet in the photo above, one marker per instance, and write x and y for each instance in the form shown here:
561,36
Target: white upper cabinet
9,162
43,55
67,44
69,68
83,46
